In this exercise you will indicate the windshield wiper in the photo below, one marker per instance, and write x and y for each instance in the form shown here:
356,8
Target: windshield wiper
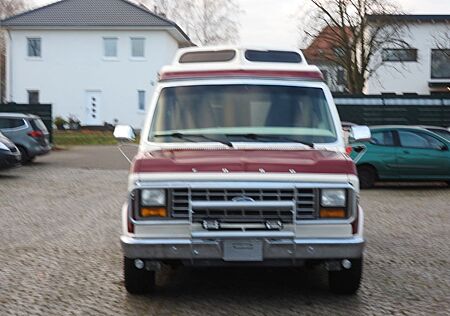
271,137
189,136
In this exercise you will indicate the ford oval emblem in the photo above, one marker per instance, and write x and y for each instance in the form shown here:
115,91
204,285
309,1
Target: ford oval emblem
242,199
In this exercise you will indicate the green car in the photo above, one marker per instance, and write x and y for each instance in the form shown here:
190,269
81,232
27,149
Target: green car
402,153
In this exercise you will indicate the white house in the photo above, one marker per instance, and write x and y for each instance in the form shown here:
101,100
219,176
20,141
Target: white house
94,59
424,68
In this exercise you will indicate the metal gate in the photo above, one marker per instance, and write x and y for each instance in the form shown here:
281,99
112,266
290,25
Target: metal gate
394,110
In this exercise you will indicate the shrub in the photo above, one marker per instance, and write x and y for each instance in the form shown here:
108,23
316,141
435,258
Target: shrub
60,123
74,122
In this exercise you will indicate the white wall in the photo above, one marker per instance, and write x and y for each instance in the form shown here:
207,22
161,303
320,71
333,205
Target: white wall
409,77
72,63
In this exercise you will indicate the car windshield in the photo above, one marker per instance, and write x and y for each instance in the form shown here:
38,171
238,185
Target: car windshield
243,113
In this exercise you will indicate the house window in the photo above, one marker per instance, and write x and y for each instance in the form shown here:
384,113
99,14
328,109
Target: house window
141,100
110,47
400,55
440,63
34,47
138,47
341,77
33,97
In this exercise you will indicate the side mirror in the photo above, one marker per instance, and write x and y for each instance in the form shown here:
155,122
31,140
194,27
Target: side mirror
444,148
124,133
360,133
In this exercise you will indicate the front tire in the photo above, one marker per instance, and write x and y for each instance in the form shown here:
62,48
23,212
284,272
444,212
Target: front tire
137,281
346,281
367,176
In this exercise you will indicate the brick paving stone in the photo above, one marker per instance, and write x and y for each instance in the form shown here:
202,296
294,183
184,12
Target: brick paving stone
60,255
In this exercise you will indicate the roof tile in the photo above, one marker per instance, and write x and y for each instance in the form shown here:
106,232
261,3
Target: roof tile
88,13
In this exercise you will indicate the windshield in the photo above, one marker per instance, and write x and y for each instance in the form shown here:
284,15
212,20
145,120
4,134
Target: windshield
236,111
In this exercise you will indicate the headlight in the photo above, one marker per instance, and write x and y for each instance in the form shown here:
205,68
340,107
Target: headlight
153,197
333,198
3,147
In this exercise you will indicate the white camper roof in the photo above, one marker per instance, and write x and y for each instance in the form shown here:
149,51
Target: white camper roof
231,61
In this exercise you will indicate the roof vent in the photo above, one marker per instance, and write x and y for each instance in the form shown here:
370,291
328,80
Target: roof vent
273,56
208,56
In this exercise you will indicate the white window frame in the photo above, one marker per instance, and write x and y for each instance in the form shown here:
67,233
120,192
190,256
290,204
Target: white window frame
143,48
116,39
40,47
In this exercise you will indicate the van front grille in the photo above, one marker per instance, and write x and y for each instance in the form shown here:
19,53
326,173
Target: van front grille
244,205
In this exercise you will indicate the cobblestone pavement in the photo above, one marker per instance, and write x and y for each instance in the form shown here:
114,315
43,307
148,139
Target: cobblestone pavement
60,255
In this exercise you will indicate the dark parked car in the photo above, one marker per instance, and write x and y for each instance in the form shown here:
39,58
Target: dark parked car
9,154
402,153
27,132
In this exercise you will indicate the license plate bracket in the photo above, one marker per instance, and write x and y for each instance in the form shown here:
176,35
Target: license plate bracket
243,250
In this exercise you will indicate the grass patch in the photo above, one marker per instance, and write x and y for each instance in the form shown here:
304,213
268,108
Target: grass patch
83,137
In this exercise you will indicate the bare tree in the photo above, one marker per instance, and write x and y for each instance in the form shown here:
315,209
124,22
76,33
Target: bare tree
11,7
207,22
442,39
356,36
7,8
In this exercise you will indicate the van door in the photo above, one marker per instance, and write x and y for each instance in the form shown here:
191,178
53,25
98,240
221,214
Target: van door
93,108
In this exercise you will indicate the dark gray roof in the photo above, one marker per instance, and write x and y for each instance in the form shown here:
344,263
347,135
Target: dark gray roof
409,17
95,13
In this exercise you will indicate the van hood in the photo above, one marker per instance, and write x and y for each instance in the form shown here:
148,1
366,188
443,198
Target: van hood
232,160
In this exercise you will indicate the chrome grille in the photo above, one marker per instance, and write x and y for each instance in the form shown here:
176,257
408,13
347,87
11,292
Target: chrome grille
305,203
230,194
180,203
222,204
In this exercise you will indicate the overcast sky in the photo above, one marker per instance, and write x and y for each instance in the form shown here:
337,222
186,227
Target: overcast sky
273,22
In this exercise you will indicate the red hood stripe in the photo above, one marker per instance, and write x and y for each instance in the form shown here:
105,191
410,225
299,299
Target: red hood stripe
301,161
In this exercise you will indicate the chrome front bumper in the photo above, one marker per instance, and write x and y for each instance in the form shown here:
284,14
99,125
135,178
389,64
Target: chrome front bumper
272,249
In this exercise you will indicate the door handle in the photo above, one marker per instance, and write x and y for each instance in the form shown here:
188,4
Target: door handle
406,152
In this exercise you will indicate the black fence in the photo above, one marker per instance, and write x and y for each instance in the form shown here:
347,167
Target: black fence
44,111
395,109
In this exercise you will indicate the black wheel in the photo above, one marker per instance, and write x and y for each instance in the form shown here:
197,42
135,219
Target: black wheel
25,158
346,281
367,176
137,281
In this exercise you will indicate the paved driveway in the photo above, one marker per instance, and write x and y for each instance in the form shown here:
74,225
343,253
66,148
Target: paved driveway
59,223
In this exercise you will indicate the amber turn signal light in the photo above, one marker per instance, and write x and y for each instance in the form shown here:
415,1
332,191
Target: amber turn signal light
332,213
153,212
